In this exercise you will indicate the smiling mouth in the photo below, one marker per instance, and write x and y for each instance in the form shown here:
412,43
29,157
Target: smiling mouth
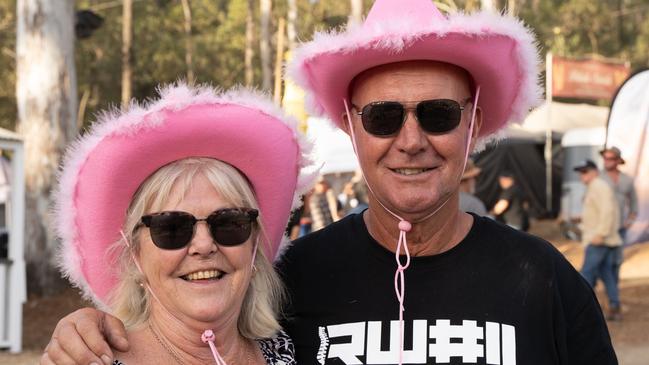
408,172
204,275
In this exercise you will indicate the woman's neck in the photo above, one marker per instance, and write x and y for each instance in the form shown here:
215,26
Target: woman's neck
181,341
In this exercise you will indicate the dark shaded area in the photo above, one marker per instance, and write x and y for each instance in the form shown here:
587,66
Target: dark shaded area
525,159
86,22
4,244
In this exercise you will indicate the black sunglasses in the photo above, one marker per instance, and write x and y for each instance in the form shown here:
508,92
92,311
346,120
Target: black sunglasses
385,118
174,230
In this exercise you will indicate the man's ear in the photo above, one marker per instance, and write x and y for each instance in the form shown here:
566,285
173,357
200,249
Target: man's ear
344,123
477,124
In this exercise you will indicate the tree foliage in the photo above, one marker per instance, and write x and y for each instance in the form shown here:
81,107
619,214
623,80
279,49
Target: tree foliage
575,28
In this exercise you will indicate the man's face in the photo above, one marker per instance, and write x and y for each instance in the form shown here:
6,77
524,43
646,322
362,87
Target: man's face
412,172
586,176
505,181
611,161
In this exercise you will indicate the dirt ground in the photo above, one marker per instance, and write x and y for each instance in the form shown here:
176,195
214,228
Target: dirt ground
630,336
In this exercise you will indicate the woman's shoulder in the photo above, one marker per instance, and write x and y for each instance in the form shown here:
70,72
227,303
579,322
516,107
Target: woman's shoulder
278,350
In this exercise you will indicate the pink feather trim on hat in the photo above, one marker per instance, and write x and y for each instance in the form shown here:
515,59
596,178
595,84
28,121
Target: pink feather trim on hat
240,127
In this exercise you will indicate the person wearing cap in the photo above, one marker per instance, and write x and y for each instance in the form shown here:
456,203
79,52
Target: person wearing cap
168,215
468,201
510,207
599,232
413,280
623,186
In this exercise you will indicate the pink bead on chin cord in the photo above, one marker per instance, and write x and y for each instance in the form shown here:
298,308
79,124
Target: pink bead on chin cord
405,226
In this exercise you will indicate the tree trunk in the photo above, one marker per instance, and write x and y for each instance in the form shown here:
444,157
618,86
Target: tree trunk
189,44
291,25
511,7
127,40
279,61
46,94
489,5
264,44
250,40
356,15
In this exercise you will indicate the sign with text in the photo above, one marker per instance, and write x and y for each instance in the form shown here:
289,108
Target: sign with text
587,79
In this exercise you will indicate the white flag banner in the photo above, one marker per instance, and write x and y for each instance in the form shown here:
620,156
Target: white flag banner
628,129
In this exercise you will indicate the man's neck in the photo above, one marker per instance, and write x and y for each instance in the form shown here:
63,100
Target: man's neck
614,174
435,234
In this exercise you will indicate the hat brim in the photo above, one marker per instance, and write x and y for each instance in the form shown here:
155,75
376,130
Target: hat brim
583,168
104,170
498,52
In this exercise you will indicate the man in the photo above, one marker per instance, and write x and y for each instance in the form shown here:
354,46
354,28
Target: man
323,205
416,92
510,207
468,201
623,186
599,226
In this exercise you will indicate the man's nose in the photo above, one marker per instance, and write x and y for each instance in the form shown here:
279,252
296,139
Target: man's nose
411,138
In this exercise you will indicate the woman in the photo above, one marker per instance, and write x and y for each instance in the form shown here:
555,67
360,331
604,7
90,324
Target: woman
168,215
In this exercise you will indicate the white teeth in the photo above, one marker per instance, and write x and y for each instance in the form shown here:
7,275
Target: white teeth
203,275
410,171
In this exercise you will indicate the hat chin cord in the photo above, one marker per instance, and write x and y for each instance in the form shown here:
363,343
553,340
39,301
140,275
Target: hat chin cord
208,335
404,225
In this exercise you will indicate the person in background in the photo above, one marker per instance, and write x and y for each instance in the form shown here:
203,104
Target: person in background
468,201
510,207
623,187
323,205
599,226
356,194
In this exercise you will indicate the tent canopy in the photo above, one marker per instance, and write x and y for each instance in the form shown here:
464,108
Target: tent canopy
564,117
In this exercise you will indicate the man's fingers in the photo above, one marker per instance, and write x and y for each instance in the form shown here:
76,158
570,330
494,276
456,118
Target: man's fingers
115,332
83,350
45,360
55,354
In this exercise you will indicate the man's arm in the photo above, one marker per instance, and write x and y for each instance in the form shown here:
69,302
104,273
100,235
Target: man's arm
85,337
633,205
501,206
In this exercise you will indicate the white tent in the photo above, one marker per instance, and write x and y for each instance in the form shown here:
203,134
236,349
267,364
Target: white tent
562,117
13,292
333,147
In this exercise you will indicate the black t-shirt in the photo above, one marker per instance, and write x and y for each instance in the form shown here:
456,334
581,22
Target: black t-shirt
515,213
499,297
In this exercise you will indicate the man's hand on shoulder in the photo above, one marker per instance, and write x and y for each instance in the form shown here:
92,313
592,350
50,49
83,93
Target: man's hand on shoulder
85,337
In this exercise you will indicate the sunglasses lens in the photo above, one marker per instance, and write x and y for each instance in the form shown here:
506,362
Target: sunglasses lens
230,227
439,116
171,230
382,118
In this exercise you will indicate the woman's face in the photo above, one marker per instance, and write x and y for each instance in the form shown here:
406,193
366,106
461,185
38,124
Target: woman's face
202,281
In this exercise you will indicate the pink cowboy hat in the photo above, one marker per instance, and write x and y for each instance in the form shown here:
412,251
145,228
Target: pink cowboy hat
497,50
103,169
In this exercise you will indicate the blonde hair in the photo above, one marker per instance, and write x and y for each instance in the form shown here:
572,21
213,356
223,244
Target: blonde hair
263,299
